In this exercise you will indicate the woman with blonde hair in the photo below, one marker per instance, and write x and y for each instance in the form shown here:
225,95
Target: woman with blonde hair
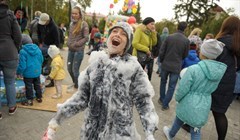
223,96
78,36
195,39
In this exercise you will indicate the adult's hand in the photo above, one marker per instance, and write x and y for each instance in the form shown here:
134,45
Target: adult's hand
150,137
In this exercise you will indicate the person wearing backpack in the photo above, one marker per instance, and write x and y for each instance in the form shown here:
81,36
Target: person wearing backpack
163,36
33,27
10,41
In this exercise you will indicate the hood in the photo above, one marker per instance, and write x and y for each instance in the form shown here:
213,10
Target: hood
165,31
81,11
31,49
213,70
228,39
192,55
53,51
3,10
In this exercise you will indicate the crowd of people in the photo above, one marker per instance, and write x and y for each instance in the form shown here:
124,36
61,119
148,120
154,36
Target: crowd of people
204,72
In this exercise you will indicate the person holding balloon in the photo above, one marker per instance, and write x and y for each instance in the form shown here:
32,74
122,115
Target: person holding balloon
145,37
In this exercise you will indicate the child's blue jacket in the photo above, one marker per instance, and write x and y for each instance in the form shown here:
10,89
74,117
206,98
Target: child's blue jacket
30,61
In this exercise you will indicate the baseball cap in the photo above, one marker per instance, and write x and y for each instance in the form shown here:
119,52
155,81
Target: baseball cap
44,17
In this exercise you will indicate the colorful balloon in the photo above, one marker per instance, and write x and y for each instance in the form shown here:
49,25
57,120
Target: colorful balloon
134,6
132,20
124,8
111,6
134,10
129,11
115,1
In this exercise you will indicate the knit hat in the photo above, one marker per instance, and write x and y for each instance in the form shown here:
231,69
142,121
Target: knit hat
126,28
148,20
53,51
97,35
37,13
26,39
165,30
212,48
44,17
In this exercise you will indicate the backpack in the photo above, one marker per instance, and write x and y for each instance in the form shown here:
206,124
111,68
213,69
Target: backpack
33,30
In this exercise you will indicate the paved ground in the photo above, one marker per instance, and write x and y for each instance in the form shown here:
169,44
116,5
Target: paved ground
29,124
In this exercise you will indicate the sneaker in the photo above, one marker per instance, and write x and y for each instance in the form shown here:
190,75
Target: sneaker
70,86
165,108
27,103
39,100
166,131
0,115
76,86
70,90
159,101
57,96
12,111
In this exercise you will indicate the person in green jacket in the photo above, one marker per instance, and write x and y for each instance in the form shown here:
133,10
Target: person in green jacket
144,39
195,88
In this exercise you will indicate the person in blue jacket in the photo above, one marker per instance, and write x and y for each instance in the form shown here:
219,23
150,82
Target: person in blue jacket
192,57
30,66
195,88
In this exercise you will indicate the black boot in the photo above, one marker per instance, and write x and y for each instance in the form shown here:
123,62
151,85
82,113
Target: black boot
51,84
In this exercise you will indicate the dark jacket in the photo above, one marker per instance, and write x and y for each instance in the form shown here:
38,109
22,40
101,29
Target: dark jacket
61,35
48,34
10,34
223,96
173,51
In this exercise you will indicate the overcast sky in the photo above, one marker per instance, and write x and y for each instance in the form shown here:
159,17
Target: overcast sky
158,9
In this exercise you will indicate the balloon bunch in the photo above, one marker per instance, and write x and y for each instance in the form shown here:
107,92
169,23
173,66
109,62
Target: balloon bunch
129,6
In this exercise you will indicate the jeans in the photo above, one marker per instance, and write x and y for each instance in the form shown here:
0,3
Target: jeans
9,71
167,97
195,134
29,84
159,65
73,65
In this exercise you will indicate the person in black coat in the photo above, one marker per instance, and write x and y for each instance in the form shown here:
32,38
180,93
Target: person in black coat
10,41
223,96
21,15
173,50
48,34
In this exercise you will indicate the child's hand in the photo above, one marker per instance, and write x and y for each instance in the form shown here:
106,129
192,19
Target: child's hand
48,78
49,134
19,76
150,137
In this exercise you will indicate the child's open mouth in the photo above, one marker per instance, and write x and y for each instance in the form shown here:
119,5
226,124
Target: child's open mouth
115,42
